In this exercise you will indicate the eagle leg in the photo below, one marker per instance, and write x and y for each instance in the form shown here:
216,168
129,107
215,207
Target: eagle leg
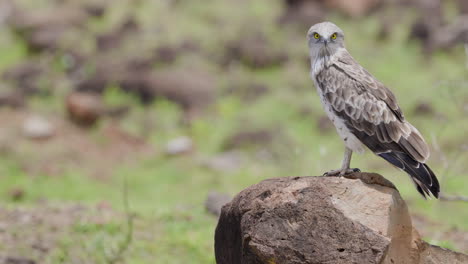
344,166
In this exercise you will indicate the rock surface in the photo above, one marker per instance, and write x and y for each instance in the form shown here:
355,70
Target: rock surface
215,201
37,127
359,219
84,108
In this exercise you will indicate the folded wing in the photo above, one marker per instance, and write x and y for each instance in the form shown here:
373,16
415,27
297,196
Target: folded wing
371,113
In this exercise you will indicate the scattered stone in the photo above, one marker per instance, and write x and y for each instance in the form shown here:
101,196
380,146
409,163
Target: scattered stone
246,138
95,83
448,36
420,31
215,201
356,8
46,39
192,90
95,9
227,161
25,76
16,194
83,108
431,30
303,12
179,146
36,127
43,30
12,99
254,50
48,17
423,109
166,54
112,39
463,6
17,260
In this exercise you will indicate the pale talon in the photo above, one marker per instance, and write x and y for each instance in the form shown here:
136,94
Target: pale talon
340,172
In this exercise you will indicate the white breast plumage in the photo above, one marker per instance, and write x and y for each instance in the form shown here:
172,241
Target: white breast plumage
351,141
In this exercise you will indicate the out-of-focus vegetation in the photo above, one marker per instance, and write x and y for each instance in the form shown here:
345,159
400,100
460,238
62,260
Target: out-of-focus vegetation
178,98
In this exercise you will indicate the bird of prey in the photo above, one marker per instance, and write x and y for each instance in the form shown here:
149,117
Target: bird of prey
364,111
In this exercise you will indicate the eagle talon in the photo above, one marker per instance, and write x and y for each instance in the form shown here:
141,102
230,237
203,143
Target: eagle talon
340,173
349,171
332,173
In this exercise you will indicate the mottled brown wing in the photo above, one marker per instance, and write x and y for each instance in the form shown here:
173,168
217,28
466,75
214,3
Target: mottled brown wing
369,107
353,70
371,113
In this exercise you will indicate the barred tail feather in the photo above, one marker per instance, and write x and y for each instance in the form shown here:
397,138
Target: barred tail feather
423,177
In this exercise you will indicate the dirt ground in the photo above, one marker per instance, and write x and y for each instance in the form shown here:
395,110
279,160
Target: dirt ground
42,233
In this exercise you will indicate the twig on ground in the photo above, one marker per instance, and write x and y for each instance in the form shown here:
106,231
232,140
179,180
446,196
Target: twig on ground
466,52
125,244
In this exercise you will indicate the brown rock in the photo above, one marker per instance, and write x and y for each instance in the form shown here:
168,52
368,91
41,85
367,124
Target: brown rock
463,6
423,109
254,50
320,220
44,29
95,83
16,194
37,127
47,38
355,8
112,39
215,201
448,36
95,9
303,12
17,260
165,54
25,76
59,15
84,108
248,137
179,146
190,89
12,99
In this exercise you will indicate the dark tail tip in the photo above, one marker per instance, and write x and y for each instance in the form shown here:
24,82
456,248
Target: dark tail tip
424,178
428,187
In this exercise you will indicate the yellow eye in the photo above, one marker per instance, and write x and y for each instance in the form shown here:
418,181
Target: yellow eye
316,36
334,36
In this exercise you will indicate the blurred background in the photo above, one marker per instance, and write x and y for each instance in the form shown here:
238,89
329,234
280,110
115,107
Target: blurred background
119,118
